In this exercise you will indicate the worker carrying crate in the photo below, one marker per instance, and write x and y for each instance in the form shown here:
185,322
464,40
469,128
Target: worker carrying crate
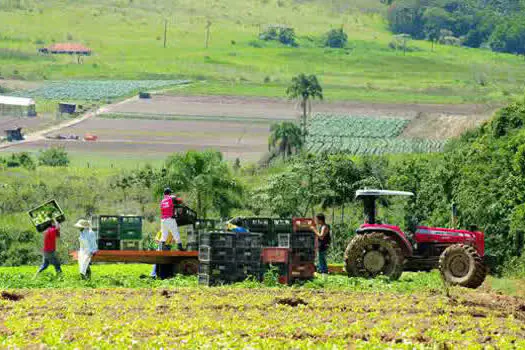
168,222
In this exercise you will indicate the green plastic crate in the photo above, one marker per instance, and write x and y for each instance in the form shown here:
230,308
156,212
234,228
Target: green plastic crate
130,227
108,226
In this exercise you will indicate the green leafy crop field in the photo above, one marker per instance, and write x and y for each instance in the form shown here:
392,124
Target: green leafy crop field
88,90
127,39
364,136
331,312
353,126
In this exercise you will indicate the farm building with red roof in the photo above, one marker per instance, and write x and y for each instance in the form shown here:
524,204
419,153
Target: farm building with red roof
67,48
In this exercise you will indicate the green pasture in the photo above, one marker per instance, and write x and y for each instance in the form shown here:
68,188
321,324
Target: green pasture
127,40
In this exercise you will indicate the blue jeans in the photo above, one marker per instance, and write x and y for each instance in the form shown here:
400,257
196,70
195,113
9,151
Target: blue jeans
160,247
322,267
50,258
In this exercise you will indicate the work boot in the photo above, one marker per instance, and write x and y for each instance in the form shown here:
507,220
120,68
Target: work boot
180,247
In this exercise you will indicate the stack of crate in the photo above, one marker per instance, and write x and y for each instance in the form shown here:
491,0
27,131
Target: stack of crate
130,228
200,226
217,258
119,232
295,255
248,248
303,243
263,226
108,232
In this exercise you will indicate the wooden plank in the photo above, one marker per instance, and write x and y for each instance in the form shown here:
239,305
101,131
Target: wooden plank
141,256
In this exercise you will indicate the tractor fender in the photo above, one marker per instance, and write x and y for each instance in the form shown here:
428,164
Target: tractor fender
398,236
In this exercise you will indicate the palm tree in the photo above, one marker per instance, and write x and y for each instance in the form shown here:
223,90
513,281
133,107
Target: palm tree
207,180
286,138
305,88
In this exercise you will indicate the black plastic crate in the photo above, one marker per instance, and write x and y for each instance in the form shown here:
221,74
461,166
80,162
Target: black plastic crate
223,270
245,271
108,244
248,255
303,255
207,280
184,215
249,240
270,239
216,255
282,226
303,240
262,225
218,239
206,224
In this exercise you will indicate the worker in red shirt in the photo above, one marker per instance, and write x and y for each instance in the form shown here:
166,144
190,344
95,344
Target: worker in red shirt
50,258
168,223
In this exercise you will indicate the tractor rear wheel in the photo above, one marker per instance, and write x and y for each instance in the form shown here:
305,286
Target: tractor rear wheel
374,254
461,265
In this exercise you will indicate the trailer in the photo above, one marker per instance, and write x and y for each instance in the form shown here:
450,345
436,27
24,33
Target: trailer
182,262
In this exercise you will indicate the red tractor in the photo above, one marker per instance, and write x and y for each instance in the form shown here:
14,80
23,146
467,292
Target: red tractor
381,249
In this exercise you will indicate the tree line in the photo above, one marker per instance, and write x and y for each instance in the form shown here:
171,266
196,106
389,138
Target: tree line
482,173
495,24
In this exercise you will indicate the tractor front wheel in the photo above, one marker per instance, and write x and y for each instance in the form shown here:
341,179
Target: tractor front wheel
461,265
374,254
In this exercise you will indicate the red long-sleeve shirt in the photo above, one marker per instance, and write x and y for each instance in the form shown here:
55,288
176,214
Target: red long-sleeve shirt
50,239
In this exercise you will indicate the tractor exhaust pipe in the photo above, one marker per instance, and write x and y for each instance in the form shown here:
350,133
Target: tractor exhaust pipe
454,217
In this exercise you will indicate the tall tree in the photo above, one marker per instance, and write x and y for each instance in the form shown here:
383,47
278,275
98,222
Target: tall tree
285,138
305,88
206,178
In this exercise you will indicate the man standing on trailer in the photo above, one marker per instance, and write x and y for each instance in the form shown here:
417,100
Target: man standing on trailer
168,224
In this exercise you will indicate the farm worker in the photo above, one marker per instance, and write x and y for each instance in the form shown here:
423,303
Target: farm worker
166,246
88,247
235,225
49,251
324,239
168,223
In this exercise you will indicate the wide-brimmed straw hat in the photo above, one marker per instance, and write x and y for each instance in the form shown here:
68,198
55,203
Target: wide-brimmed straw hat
82,224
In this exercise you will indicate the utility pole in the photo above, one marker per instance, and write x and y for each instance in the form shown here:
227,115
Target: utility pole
208,25
165,31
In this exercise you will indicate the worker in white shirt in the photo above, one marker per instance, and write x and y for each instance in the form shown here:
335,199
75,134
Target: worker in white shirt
88,247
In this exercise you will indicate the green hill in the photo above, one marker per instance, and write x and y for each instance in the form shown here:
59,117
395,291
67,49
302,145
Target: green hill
127,39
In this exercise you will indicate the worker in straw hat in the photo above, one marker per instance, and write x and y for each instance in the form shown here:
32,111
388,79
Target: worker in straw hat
88,247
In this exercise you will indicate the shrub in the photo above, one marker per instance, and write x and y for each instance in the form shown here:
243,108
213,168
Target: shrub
336,38
284,35
287,36
17,160
55,156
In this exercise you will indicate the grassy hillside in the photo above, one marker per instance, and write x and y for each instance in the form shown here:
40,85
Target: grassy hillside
127,38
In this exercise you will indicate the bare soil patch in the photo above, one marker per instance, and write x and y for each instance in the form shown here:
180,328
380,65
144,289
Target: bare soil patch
19,84
441,126
273,108
26,123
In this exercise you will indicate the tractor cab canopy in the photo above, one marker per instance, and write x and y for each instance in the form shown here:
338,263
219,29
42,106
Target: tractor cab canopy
369,201
360,194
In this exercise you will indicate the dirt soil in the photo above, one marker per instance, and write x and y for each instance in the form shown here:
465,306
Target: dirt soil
242,126
441,126
273,108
